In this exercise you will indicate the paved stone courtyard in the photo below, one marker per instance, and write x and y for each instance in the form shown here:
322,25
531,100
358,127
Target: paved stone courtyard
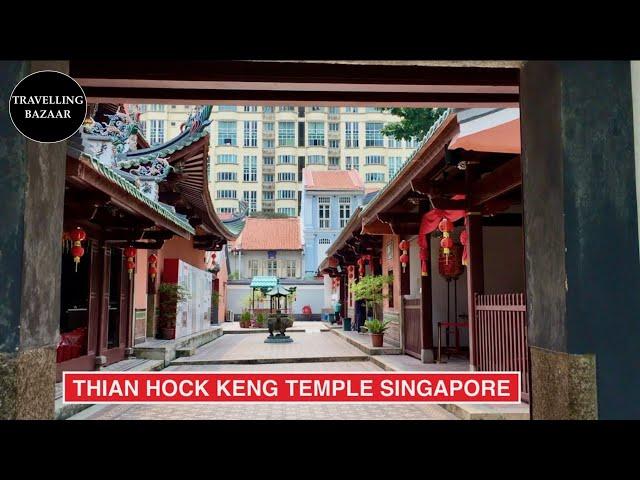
312,350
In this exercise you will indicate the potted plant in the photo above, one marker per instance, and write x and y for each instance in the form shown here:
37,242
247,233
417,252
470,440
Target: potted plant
377,328
245,319
260,320
370,289
170,296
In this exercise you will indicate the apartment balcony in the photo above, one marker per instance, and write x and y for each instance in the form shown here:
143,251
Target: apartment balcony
268,204
268,186
269,152
331,135
334,167
269,117
334,152
269,135
268,168
333,117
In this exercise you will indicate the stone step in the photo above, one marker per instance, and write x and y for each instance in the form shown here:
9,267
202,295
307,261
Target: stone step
481,411
362,341
64,411
261,361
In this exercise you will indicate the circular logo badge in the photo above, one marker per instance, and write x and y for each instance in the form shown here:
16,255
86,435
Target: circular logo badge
48,106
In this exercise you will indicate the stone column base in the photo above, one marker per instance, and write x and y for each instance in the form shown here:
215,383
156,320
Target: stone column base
27,384
563,386
427,355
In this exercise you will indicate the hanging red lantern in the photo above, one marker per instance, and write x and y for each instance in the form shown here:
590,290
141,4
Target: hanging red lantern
352,272
153,266
446,227
464,236
424,257
130,254
333,262
404,258
77,235
450,265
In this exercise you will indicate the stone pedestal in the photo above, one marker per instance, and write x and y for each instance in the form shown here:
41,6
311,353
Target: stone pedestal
581,239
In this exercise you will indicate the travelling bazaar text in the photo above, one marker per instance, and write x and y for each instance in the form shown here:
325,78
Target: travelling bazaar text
38,113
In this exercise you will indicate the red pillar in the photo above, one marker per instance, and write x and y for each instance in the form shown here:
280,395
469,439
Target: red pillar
475,275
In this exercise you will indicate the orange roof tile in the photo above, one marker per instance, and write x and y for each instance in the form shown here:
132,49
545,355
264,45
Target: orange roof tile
270,234
332,180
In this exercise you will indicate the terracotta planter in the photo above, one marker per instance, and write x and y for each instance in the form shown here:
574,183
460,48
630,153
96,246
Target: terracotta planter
245,324
168,333
377,339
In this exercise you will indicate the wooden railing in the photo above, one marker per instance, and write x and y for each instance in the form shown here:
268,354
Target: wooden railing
500,332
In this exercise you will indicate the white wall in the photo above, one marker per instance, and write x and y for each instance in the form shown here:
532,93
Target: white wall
312,295
503,259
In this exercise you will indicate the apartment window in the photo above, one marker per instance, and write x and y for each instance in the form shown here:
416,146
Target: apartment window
156,131
334,143
290,268
250,108
267,160
251,197
351,109
285,108
267,178
287,159
250,168
254,267
267,195
353,163
227,133
227,176
287,194
227,158
268,143
287,177
267,109
316,109
225,210
374,160
334,110
373,134
227,108
394,164
315,160
316,134
413,143
291,212
334,127
156,108
227,194
373,109
351,134
345,210
393,143
268,126
251,134
324,212
271,268
374,177
334,161
286,134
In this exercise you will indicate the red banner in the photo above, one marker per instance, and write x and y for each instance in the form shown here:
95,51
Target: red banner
204,387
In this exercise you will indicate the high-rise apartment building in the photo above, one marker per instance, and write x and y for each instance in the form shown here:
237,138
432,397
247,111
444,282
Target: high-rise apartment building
257,153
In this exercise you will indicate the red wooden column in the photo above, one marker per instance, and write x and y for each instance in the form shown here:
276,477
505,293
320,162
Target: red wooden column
426,311
475,275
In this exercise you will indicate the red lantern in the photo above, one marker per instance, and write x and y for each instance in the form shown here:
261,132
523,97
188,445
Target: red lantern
77,235
463,240
424,257
446,227
130,254
446,243
450,265
404,258
153,266
333,262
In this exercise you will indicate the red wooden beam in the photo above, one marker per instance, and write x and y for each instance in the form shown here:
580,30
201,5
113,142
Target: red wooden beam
502,180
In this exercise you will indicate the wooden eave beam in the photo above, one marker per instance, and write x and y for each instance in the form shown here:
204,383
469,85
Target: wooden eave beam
502,180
